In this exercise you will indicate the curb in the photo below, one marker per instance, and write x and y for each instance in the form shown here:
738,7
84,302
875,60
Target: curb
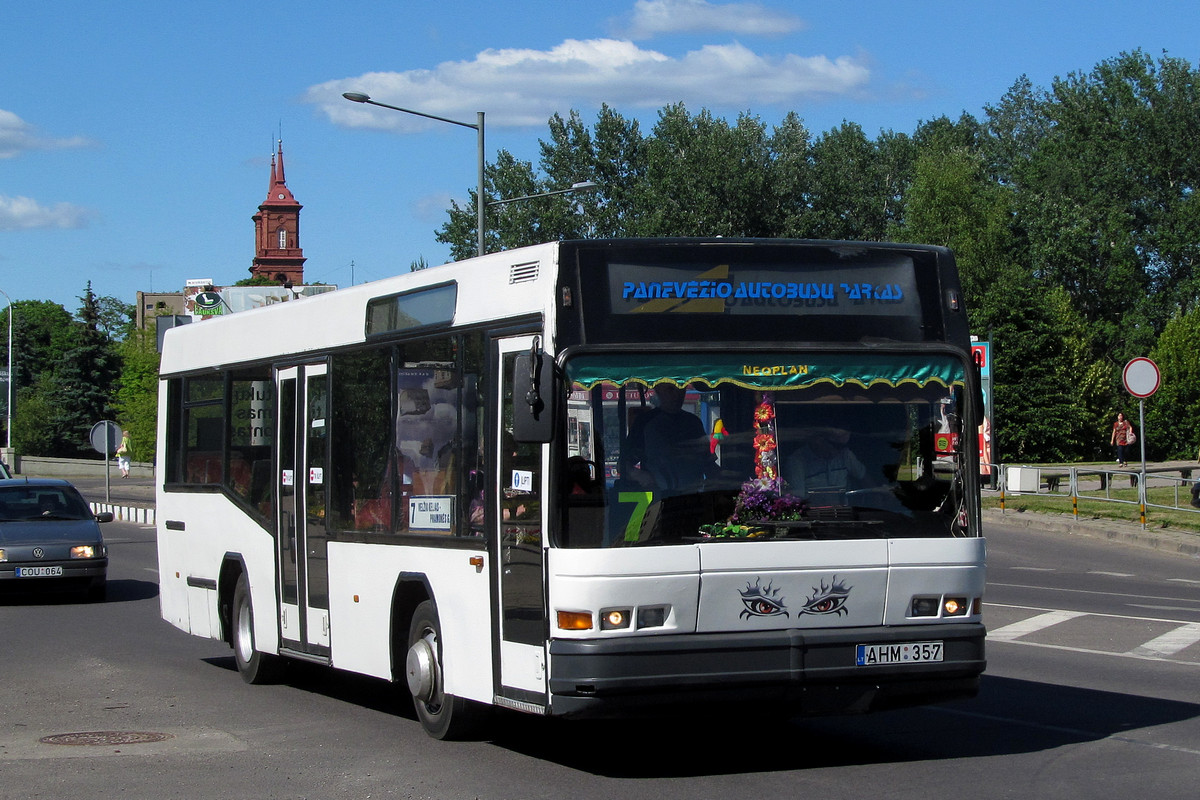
125,513
1164,540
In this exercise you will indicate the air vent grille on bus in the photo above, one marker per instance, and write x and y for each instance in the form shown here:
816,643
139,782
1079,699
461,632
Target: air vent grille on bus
523,273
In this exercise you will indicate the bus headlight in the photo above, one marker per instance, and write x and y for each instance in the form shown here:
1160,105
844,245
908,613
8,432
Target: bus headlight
955,607
942,606
615,619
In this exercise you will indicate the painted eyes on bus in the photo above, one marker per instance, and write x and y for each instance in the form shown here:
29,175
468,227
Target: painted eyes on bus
828,599
762,602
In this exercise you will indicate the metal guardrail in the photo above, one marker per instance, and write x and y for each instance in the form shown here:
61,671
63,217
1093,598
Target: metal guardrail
1099,483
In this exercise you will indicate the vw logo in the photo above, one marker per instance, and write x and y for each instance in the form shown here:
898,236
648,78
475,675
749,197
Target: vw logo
38,552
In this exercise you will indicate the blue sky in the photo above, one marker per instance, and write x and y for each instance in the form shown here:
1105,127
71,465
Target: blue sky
135,137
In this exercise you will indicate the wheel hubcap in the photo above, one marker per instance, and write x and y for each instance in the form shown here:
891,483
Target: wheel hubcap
421,668
245,639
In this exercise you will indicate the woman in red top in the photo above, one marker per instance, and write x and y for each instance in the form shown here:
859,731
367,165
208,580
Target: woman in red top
1120,437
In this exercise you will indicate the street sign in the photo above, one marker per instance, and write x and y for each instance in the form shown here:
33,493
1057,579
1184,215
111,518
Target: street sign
105,437
1141,377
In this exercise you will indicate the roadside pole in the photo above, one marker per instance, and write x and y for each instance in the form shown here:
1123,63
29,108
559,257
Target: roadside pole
1142,379
104,438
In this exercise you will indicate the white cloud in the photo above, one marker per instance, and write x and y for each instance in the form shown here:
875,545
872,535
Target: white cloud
524,87
24,213
18,136
655,17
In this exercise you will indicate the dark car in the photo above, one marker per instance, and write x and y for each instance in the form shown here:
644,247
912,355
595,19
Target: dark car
50,539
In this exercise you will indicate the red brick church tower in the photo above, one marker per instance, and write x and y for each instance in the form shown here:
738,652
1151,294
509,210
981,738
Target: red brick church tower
277,231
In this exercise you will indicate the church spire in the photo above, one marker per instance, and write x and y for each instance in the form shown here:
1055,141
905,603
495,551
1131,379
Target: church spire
277,230
277,192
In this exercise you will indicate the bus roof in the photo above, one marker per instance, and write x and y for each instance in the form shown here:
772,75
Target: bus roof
494,286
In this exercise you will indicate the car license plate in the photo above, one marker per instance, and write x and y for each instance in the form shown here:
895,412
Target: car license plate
869,655
39,572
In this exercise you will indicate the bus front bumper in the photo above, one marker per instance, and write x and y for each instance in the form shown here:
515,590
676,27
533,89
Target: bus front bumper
789,671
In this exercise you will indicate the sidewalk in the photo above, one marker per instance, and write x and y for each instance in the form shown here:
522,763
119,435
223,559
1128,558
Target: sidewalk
1164,539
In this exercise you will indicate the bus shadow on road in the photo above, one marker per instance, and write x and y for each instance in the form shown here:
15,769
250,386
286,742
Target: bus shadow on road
119,591
1009,717
365,691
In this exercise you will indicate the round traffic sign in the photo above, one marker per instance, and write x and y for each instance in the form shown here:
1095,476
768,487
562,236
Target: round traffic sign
105,437
1141,377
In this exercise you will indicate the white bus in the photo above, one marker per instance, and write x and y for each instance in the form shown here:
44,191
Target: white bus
591,478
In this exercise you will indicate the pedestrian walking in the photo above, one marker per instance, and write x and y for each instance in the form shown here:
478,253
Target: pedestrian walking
1122,437
123,454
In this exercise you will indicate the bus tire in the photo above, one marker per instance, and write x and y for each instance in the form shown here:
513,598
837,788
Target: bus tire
443,716
255,667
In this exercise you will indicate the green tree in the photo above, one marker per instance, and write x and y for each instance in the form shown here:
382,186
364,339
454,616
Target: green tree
35,417
619,165
791,174
136,395
114,317
707,178
1034,387
1173,412
83,383
848,194
42,332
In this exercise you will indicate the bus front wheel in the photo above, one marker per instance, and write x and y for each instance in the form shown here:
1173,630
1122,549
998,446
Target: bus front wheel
254,666
443,716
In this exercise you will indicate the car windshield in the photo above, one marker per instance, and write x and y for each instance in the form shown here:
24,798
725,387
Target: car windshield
28,502
665,448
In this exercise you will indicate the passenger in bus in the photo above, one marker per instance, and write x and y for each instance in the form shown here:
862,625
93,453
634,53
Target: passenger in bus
823,467
671,443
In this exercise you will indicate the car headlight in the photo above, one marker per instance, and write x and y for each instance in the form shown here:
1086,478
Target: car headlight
83,551
3,555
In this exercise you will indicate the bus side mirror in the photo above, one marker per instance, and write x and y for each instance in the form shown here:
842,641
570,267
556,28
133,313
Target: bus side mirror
535,398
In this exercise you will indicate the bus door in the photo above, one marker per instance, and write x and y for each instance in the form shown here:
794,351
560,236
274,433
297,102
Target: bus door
520,555
302,538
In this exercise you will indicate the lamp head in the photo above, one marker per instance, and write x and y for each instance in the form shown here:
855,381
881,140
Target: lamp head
357,97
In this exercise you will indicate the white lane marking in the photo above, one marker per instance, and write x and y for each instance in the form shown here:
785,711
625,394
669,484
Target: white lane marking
1110,574
1170,642
1032,625
1109,595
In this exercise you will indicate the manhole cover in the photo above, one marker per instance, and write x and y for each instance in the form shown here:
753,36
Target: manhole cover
106,738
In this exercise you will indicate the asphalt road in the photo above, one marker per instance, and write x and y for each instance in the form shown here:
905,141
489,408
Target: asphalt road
1091,692
133,491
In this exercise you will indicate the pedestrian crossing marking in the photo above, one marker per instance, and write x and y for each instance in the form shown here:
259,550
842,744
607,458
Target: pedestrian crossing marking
1170,642
1167,646
1032,625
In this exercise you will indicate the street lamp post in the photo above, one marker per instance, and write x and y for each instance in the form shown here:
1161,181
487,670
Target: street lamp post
9,408
582,186
480,203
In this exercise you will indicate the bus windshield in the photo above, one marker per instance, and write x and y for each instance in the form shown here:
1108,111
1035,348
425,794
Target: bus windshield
669,448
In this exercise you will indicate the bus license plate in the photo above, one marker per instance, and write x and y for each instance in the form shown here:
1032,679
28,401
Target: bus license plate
39,572
869,655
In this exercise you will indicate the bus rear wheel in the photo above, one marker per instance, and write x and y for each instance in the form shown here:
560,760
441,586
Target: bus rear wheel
255,667
443,716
